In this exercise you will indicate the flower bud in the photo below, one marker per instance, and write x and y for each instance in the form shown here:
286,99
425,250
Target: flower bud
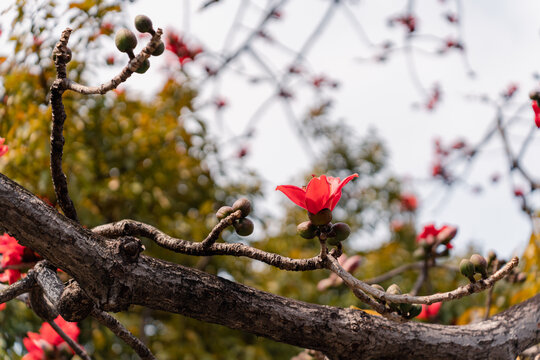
394,289
416,309
159,50
378,287
419,253
143,23
243,205
341,231
125,40
534,95
480,264
405,308
144,67
244,227
521,277
323,217
332,241
306,230
491,256
447,234
467,269
223,212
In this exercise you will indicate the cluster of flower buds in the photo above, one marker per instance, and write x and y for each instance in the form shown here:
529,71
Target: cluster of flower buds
477,264
407,20
408,311
320,225
126,40
430,238
243,226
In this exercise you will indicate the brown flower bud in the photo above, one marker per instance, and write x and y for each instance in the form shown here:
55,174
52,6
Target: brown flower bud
243,205
323,217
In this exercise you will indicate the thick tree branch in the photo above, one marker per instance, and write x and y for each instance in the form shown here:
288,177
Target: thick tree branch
114,282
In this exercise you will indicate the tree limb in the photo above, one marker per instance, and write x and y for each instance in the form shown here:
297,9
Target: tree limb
114,282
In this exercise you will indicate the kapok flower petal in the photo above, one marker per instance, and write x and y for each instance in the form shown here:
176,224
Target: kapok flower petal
336,193
317,194
296,194
536,110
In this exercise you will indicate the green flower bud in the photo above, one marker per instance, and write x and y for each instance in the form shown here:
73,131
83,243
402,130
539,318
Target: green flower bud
341,231
323,217
244,227
306,230
467,269
480,264
394,289
144,67
405,308
143,23
223,212
416,309
419,253
332,241
159,50
243,205
125,40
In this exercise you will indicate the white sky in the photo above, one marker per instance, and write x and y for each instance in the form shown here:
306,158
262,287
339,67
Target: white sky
502,39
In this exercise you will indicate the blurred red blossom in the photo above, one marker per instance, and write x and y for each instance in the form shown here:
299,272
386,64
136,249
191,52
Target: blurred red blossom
429,311
430,235
536,110
184,52
3,148
408,202
48,339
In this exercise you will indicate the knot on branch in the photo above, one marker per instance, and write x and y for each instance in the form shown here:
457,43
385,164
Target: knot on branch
129,248
74,304
41,306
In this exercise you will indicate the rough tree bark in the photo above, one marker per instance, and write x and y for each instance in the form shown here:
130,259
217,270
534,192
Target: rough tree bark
114,275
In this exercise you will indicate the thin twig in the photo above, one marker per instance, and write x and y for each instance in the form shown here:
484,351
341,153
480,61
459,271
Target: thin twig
458,293
78,349
135,228
119,330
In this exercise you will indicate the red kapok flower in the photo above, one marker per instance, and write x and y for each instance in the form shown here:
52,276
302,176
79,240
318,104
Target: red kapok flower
47,338
534,106
408,202
429,311
3,148
443,235
320,193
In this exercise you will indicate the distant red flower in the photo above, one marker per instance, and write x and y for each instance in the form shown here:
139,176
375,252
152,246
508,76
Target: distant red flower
408,202
452,18
408,20
437,170
242,152
518,192
320,193
536,110
3,148
48,338
430,234
110,60
220,102
434,98
184,52
106,28
429,311
510,91
12,254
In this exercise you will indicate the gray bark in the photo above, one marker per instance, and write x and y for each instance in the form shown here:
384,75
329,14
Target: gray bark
114,280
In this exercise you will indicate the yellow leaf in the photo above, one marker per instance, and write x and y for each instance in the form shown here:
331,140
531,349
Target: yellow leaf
368,311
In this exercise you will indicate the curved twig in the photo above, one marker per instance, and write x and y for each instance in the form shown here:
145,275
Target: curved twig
20,287
78,349
135,228
119,330
458,293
